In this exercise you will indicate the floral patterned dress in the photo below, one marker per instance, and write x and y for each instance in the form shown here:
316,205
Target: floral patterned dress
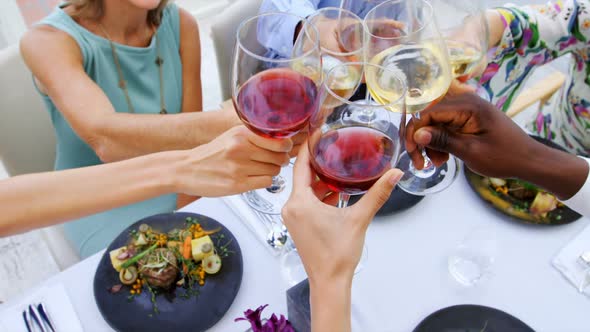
533,37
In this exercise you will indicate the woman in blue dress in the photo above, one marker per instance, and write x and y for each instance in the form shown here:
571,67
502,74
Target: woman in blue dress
120,79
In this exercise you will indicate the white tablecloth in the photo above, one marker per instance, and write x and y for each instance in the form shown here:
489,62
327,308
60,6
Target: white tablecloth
406,277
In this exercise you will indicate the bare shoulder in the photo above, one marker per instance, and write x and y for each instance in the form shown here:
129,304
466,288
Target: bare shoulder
188,23
47,52
46,42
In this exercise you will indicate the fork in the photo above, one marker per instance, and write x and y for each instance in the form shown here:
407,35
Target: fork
37,319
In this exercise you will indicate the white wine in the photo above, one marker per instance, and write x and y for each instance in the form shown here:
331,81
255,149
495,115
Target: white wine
343,81
424,67
464,58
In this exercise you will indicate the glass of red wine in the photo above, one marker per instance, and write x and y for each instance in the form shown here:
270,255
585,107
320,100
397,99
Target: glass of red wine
275,91
349,153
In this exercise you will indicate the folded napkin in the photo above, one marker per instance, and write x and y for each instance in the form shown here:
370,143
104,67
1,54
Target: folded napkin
56,302
250,218
568,262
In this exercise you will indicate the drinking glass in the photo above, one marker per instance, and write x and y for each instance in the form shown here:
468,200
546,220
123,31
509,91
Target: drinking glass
472,260
275,94
349,153
341,41
402,35
464,27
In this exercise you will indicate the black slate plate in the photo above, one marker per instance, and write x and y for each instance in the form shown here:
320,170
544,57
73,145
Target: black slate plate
397,202
194,314
509,205
471,318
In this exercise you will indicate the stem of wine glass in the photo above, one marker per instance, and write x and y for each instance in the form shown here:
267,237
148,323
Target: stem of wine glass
343,200
428,168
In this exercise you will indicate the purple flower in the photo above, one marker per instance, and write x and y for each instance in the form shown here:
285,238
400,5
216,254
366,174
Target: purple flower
274,324
279,324
253,316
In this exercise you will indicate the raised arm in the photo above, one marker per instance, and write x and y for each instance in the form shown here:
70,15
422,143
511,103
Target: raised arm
38,200
491,144
330,254
281,33
113,136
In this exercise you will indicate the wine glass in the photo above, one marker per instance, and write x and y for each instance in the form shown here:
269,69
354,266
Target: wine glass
402,35
349,153
341,41
464,27
275,95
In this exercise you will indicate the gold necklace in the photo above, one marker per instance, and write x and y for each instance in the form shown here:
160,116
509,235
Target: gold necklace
123,84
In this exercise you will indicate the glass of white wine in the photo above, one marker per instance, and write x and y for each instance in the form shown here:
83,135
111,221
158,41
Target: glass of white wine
402,35
464,27
341,42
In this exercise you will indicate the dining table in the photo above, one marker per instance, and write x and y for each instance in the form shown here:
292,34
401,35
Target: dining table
406,275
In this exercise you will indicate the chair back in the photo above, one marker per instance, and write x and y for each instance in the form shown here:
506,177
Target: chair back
27,139
223,33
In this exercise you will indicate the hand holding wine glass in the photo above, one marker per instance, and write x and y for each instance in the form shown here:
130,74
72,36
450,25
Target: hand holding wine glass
414,48
350,151
330,240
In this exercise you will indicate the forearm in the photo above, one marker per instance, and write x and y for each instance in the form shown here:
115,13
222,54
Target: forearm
39,200
122,136
331,305
558,172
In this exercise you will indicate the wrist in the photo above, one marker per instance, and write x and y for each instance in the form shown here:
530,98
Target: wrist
331,304
558,172
178,165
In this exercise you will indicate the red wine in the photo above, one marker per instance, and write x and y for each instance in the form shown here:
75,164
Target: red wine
352,159
277,103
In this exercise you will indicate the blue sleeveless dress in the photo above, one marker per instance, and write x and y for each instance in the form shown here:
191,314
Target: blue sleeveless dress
91,234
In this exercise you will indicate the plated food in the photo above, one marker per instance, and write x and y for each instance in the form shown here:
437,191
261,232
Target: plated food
522,200
179,266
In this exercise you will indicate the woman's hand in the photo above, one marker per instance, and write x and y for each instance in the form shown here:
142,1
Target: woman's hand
330,240
235,162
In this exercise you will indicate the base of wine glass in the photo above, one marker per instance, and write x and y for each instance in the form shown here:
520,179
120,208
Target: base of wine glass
272,199
429,181
293,270
278,185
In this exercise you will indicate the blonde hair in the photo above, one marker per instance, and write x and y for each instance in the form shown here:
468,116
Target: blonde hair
93,9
